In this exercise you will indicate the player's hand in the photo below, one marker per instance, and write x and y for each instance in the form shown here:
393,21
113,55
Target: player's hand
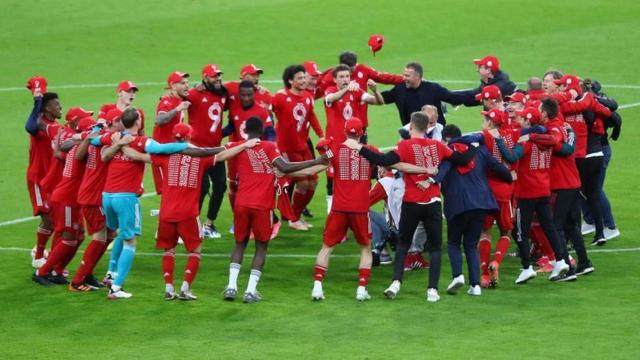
423,185
115,137
353,86
514,175
324,159
432,170
37,93
125,140
353,144
523,138
574,93
372,85
251,143
183,106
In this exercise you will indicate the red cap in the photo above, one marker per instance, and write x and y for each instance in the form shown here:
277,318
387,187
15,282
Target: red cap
76,113
112,116
181,131
353,126
211,70
250,70
489,61
37,83
311,68
176,77
496,116
489,92
517,97
530,114
375,43
126,86
84,124
568,80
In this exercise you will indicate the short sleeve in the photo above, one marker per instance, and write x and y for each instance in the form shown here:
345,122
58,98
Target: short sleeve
272,152
165,105
401,150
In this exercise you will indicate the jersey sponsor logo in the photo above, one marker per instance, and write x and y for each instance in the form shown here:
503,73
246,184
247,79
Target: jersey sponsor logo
347,112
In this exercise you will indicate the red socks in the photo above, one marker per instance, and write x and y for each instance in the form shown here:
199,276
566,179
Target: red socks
42,236
363,279
484,249
191,269
318,272
92,255
299,201
58,256
168,264
501,249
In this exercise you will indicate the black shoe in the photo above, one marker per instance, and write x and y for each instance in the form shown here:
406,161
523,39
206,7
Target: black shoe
599,240
376,258
41,280
58,279
91,280
306,213
570,275
585,269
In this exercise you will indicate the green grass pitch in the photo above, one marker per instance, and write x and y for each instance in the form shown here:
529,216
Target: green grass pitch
91,42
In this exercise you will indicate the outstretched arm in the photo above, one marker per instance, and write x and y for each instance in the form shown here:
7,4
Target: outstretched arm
288,167
309,171
32,121
414,169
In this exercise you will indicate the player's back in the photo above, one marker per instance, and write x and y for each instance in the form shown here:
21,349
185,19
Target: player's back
256,175
125,174
351,179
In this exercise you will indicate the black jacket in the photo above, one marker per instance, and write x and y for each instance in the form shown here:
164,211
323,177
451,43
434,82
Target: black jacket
500,79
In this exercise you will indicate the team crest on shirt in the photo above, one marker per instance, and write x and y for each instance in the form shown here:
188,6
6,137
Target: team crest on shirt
307,101
360,75
204,100
347,112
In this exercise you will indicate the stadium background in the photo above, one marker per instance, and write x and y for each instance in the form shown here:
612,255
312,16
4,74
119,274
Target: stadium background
84,48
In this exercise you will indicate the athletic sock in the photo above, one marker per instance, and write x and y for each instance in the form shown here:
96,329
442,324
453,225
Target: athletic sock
484,250
169,288
116,250
191,269
91,256
309,196
42,236
69,253
168,266
299,201
234,271
363,279
318,272
125,262
56,256
501,248
253,281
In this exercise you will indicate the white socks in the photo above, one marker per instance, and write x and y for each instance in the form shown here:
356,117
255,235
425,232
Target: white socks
234,271
253,281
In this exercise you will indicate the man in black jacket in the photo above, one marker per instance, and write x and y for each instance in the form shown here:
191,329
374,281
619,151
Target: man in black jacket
490,74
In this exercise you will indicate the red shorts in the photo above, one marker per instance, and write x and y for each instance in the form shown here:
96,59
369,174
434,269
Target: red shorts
503,217
39,202
93,217
302,155
157,178
189,230
66,218
339,222
247,220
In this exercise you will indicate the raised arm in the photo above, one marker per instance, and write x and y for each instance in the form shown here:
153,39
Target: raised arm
164,117
31,126
376,98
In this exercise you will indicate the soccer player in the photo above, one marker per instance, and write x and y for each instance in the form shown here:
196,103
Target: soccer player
208,102
46,109
313,78
293,107
254,205
126,91
250,73
418,205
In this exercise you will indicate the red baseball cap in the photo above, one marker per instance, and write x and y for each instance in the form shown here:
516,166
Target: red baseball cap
181,131
496,116
250,70
77,113
84,124
311,68
353,126
176,77
568,80
489,92
530,114
112,116
211,70
489,61
375,43
517,97
126,86
37,83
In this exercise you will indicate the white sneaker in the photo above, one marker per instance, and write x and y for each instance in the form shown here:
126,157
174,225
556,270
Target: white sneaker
474,290
115,295
526,275
456,284
587,228
392,291
298,225
559,269
611,233
362,294
432,295
306,223
37,263
317,294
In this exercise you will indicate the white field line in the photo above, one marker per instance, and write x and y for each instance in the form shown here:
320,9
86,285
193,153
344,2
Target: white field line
296,256
265,81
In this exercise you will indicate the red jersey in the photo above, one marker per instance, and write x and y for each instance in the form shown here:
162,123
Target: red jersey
295,114
425,153
124,175
41,151
342,110
66,192
164,133
205,117
351,179
572,111
104,109
564,172
239,116
533,172
256,176
501,189
181,183
263,97
95,176
54,173
361,74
